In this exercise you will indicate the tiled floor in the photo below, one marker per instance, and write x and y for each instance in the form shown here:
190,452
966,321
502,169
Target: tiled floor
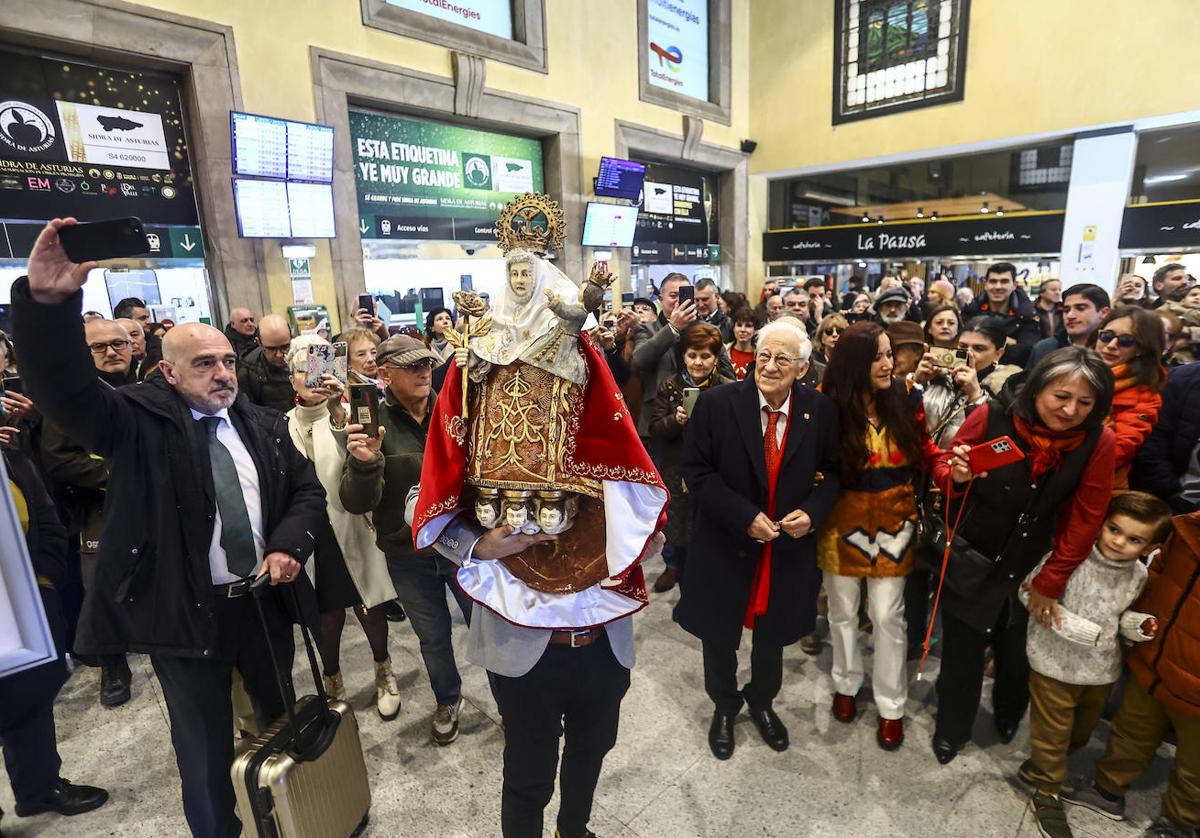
659,782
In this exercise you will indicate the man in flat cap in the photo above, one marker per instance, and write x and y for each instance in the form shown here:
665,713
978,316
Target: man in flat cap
376,478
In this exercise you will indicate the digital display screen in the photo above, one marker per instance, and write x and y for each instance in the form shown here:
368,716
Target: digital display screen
310,210
620,178
609,225
262,209
264,146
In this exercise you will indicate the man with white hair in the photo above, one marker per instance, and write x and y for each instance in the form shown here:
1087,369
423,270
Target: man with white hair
205,493
760,463
811,372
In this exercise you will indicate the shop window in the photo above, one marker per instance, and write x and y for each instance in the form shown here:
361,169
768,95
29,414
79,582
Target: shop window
684,56
512,31
894,55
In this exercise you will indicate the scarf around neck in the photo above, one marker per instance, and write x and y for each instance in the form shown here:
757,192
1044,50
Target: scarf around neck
1047,447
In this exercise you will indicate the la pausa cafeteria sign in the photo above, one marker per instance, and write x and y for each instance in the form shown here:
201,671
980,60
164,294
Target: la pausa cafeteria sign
1009,235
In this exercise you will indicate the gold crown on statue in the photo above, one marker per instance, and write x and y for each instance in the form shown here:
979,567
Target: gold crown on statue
532,221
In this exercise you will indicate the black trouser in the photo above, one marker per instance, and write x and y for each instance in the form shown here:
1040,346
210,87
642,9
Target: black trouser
960,681
720,676
27,719
916,607
576,692
197,692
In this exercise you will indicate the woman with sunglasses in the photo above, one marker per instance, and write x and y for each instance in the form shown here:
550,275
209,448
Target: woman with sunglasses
872,530
828,332
1130,342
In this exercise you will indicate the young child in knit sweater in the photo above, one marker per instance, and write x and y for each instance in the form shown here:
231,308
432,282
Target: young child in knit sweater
1075,652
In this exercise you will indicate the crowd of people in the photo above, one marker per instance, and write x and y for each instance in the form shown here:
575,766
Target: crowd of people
819,452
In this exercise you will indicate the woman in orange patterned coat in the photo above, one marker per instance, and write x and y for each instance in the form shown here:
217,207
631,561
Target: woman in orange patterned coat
1130,341
872,529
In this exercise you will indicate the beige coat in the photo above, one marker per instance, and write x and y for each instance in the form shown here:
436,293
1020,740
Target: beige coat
316,439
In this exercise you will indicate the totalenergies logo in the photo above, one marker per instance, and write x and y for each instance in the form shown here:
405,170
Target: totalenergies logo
671,56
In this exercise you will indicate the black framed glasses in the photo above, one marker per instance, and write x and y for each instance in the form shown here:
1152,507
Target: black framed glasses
829,331
1123,341
99,348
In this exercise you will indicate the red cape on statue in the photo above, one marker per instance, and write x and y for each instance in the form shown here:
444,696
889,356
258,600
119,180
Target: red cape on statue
606,448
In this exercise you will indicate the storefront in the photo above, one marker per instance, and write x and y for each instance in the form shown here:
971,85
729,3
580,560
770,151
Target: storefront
101,141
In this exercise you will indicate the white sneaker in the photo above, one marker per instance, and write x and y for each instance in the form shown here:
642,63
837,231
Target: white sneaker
387,692
445,722
334,688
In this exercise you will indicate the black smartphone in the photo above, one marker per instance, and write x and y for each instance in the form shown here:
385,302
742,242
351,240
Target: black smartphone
12,384
364,407
367,303
687,294
99,240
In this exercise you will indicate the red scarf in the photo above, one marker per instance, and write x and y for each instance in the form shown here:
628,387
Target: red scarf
1048,447
1124,377
760,588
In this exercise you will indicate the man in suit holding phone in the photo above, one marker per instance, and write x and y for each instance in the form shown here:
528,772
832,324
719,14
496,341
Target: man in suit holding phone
760,462
205,493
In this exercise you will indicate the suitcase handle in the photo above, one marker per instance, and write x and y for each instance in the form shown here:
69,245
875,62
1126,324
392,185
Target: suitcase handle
328,720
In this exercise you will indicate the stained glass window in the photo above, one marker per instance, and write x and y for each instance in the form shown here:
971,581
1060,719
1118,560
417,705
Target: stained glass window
897,54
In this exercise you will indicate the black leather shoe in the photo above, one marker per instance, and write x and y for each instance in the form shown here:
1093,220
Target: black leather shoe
393,612
66,799
720,734
114,683
770,728
1007,730
944,750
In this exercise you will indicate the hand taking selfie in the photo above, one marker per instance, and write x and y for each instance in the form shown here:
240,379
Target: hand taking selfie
681,415
17,405
52,275
683,315
362,447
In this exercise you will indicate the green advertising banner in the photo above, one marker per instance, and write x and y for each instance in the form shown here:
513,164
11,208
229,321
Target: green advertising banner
426,180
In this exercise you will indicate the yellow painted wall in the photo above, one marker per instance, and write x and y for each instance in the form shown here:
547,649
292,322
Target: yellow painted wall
1032,66
593,65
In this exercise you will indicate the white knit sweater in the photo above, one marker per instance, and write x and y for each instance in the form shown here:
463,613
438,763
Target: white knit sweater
1094,606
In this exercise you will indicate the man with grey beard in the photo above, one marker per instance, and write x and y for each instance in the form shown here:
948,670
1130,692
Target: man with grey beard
205,493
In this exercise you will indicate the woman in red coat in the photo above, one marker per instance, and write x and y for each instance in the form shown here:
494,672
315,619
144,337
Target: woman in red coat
1130,342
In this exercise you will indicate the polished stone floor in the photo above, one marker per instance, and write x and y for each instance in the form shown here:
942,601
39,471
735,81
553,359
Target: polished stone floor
659,782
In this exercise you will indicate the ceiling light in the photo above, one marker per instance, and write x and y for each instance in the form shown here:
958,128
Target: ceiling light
920,212
861,263
984,208
879,220
866,219
1165,178
999,210
934,216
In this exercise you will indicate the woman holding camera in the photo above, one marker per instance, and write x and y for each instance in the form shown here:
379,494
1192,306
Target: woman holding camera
347,569
872,530
701,346
1052,500
942,326
1130,341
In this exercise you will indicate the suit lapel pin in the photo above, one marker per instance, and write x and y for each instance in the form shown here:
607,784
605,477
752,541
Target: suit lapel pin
806,416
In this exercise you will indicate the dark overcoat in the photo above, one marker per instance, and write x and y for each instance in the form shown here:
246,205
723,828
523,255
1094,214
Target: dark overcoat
726,473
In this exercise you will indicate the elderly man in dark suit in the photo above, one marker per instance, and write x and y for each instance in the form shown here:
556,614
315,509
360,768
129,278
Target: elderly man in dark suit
760,459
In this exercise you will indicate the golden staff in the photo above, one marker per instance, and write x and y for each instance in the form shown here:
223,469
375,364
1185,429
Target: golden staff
471,305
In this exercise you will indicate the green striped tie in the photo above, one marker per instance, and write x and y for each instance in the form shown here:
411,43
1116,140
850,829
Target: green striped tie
237,538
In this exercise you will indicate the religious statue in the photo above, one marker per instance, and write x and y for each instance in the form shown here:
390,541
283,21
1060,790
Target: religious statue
534,434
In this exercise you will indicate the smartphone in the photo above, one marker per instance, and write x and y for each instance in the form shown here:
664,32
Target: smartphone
988,456
99,240
366,302
364,407
948,358
687,294
326,359
12,384
690,395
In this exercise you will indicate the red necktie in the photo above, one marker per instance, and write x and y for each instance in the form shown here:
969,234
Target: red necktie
760,589
771,442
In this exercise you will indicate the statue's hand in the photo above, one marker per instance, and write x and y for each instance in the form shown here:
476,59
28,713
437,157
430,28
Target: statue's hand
600,276
460,356
551,297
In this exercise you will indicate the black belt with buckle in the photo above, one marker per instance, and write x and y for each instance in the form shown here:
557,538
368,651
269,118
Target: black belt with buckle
233,590
576,639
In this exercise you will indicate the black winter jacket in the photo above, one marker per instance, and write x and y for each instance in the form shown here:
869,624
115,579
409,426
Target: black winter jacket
153,589
1166,454
264,383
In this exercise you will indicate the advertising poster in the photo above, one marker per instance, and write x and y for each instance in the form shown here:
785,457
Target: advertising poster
677,33
92,142
426,180
679,206
491,16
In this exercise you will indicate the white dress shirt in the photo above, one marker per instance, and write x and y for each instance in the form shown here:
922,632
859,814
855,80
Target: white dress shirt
227,435
781,425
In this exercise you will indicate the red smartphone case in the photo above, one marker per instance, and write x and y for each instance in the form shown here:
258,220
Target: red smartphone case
987,456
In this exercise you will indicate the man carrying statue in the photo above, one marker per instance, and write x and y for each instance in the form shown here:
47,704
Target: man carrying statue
535,483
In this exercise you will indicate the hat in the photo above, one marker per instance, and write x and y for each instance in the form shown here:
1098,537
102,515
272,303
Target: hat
904,332
892,295
644,301
402,350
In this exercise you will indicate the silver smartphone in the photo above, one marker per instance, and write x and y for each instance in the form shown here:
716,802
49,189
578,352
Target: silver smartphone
690,394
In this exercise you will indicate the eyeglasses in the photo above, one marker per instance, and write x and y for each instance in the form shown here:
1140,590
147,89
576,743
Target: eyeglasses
277,349
781,361
115,345
829,331
418,366
1123,341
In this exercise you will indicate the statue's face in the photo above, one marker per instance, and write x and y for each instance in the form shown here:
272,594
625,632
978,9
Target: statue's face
517,516
485,511
549,517
520,281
